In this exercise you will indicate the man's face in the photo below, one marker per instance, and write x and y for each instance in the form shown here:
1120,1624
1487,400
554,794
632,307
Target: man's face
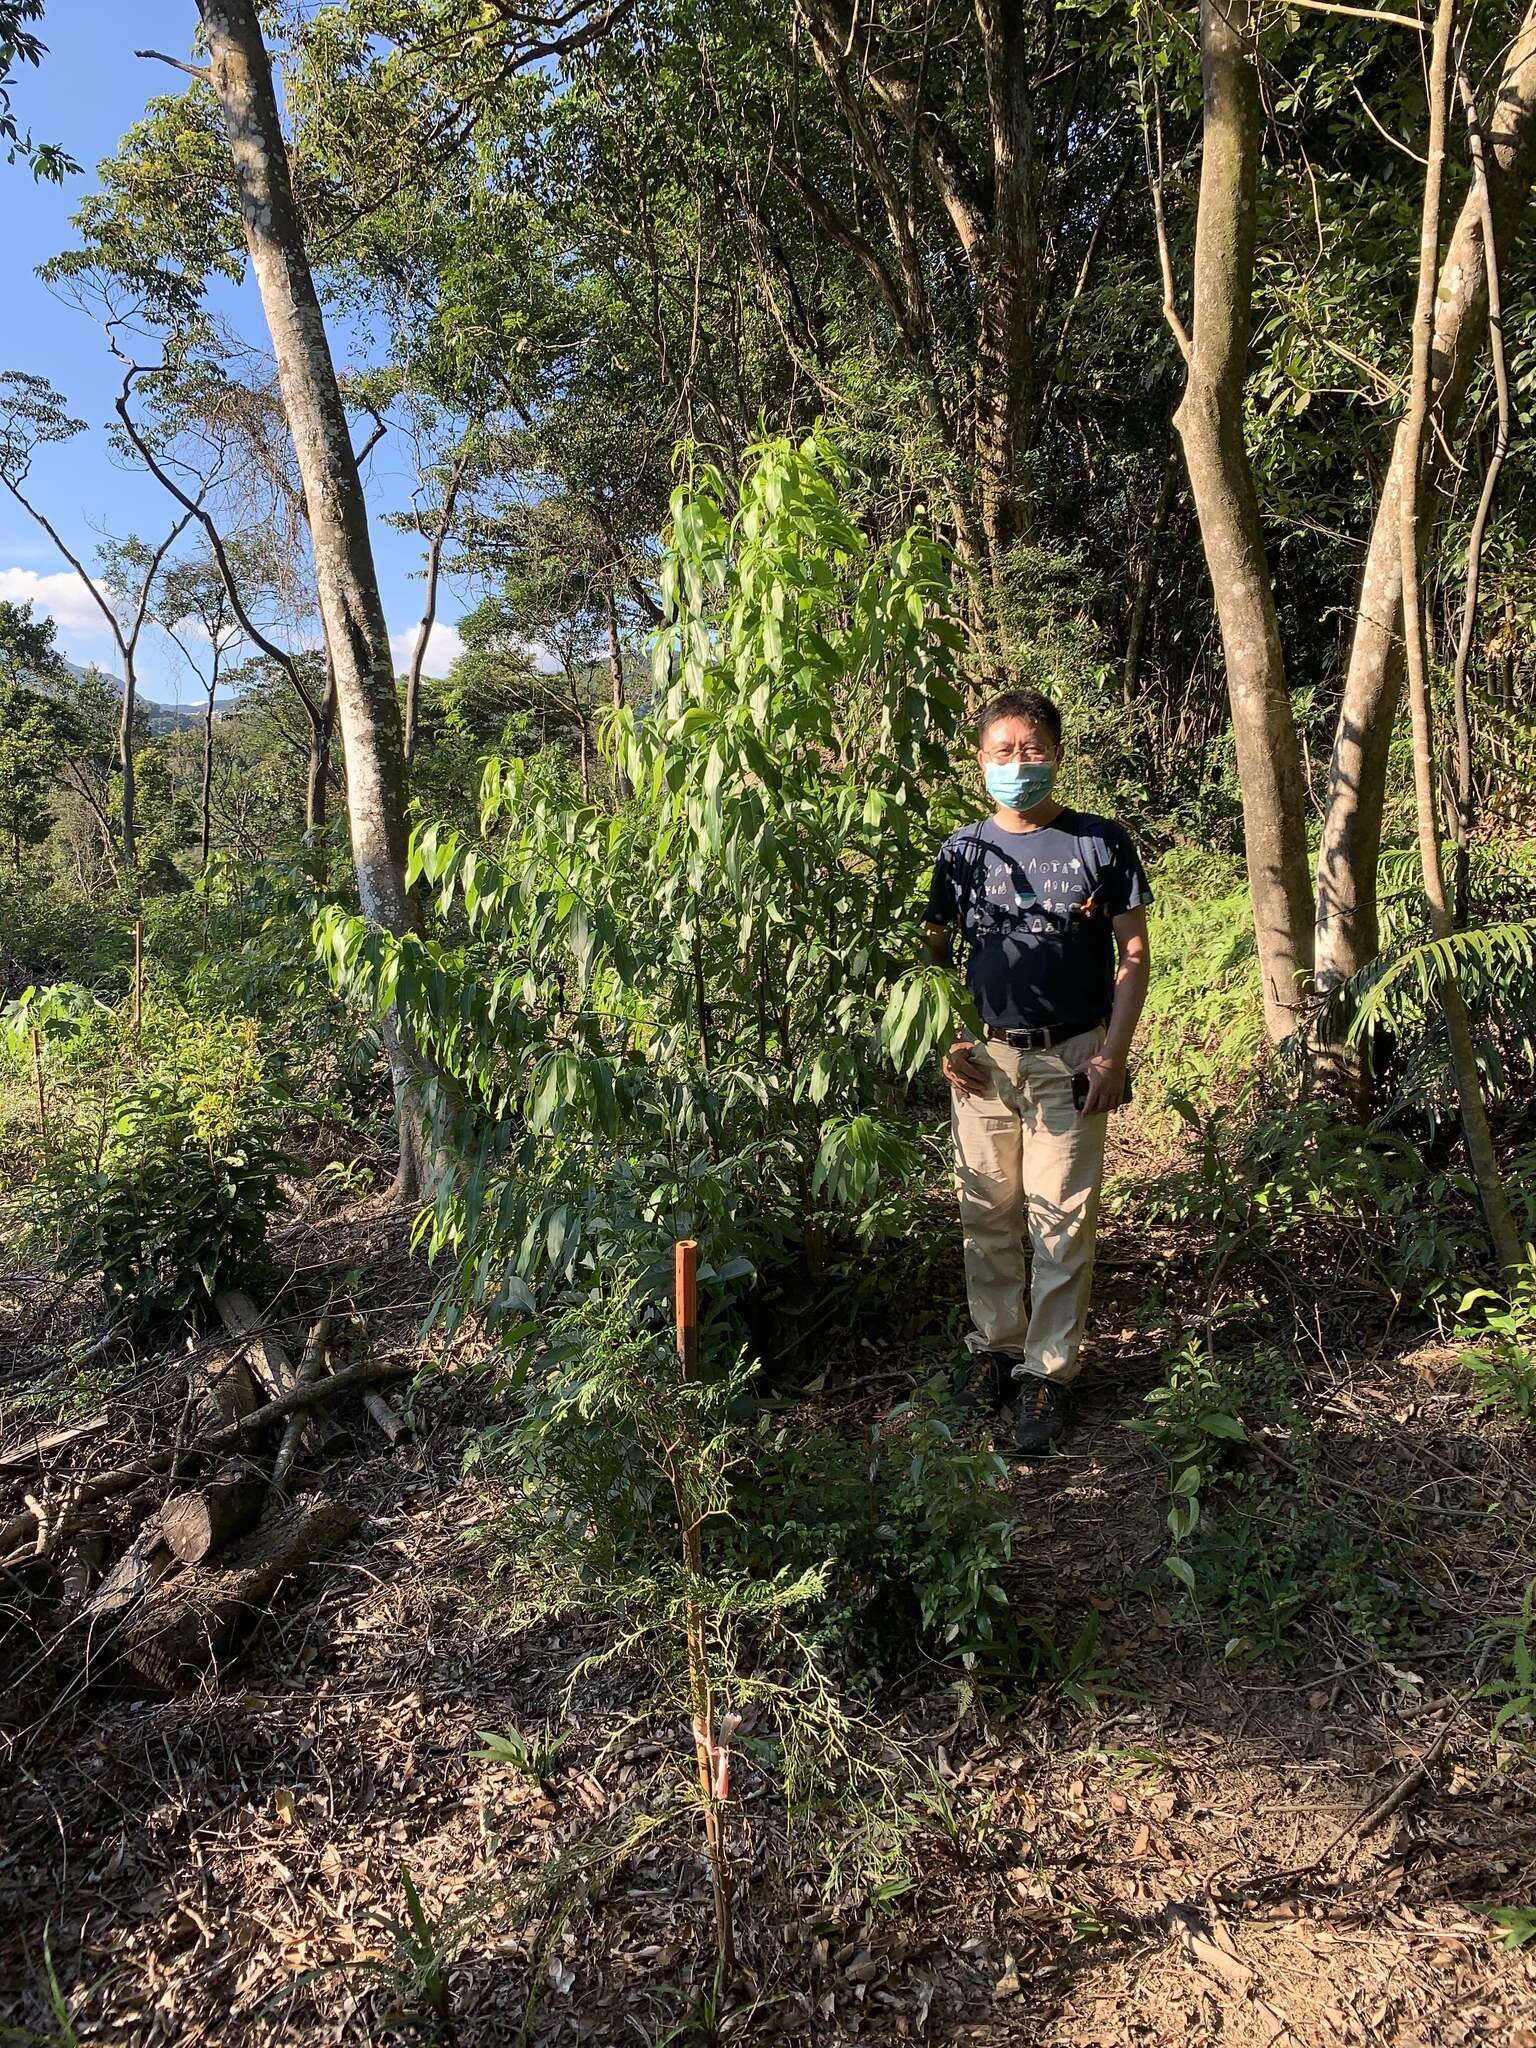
1010,742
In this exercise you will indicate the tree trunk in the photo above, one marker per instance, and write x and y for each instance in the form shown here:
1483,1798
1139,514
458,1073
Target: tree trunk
208,779
193,1623
1347,928
357,638
1469,1090
615,676
318,775
127,816
1466,804
1136,638
1006,271
196,1524
1210,426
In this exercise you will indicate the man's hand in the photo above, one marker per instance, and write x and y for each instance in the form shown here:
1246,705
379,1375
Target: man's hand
961,1070
1106,1083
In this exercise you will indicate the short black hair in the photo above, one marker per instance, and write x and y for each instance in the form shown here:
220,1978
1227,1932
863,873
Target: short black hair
1032,705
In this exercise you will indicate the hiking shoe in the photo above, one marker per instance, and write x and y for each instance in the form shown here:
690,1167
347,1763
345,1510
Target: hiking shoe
983,1383
1039,1416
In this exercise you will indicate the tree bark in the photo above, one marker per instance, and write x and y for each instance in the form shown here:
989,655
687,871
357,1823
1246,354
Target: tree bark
993,212
1006,275
1135,641
319,769
347,586
1466,806
1210,426
1502,1232
1347,923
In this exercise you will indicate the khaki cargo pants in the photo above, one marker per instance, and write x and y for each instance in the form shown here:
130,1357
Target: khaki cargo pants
1028,1170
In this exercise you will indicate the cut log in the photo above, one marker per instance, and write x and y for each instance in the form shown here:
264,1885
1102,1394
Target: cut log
146,1560
107,1612
198,1619
21,1530
225,1386
197,1524
274,1369
393,1424
80,1563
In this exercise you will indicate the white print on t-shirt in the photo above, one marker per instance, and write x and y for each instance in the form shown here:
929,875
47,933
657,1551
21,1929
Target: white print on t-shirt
1049,886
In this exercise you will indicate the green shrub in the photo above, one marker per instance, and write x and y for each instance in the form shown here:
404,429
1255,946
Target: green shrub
1500,1331
907,1524
693,1015
1256,1534
899,1530
166,1193
1264,1184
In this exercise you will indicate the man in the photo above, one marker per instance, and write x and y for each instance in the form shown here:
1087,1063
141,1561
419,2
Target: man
1049,904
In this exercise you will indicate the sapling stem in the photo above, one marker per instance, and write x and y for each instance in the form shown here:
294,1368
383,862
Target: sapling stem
712,1785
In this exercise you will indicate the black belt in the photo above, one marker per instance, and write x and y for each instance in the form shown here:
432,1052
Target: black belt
1042,1038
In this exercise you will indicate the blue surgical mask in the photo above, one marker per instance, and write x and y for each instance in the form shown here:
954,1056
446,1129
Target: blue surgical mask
1020,785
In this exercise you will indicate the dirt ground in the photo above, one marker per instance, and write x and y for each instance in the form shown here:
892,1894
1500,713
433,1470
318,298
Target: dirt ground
1155,1842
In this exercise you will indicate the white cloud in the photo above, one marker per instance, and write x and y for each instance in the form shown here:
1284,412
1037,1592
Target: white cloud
63,597
443,648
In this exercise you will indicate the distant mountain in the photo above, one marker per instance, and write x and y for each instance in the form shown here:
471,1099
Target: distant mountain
162,718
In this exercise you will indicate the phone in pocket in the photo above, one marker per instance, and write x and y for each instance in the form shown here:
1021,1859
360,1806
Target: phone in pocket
1080,1090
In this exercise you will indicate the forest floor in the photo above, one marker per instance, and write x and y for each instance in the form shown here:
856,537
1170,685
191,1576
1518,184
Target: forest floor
1150,1840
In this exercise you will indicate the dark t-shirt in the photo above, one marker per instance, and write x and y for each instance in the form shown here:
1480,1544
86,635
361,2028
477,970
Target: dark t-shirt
1034,912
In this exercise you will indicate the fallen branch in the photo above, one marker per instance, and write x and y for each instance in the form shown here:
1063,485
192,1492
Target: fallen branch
268,1360
1199,1947
37,1448
1378,1815
298,1422
23,1529
389,1420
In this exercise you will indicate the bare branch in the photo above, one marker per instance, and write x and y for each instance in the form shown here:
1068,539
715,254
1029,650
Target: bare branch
176,64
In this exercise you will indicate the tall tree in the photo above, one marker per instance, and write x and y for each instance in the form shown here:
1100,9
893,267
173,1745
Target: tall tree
32,415
1469,1088
1347,931
195,610
1210,424
350,605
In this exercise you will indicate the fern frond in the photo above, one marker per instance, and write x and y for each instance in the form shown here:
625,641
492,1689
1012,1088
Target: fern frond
1495,964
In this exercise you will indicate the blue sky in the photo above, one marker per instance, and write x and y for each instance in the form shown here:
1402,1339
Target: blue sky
90,90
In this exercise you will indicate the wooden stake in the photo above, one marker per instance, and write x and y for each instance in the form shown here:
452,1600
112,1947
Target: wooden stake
42,1099
686,1290
712,1765
138,972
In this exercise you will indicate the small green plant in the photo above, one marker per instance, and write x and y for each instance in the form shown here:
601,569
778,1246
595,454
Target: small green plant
531,1757
1501,1354
1192,1424
1516,1690
1257,1537
423,1953
1516,1924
